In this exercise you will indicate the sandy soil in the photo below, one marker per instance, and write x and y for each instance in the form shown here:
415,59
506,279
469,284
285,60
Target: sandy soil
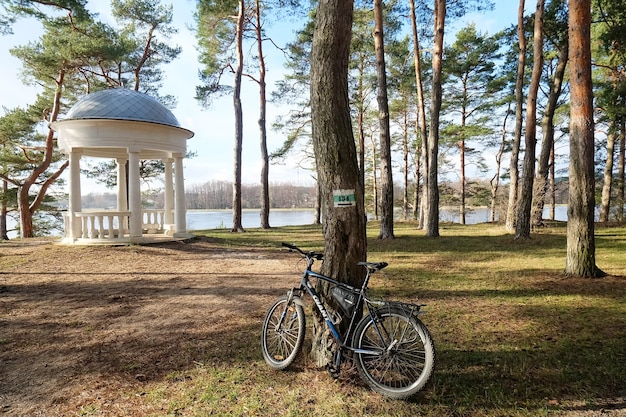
82,322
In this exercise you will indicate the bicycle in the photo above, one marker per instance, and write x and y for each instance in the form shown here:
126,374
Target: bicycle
391,347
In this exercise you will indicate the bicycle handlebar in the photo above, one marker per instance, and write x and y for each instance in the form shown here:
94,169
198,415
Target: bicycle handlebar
310,254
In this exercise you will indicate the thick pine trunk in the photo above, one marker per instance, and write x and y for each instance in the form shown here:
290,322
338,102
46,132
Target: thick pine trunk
432,213
519,121
522,225
336,161
580,260
386,177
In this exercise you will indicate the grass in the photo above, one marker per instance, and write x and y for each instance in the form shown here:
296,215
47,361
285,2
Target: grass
514,336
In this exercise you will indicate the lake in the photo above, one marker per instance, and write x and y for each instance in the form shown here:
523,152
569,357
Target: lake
201,219
250,219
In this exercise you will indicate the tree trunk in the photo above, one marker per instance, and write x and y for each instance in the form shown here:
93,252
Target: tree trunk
620,171
386,177
432,213
495,181
4,235
547,126
605,207
237,221
552,185
375,180
336,161
25,207
405,167
265,160
580,260
421,122
522,225
519,120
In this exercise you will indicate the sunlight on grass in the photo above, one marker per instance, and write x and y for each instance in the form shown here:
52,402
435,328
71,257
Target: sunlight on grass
514,336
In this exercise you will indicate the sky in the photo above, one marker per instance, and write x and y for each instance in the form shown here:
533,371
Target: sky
214,127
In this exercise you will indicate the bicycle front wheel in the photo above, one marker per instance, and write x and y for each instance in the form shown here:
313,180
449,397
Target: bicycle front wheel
400,355
282,334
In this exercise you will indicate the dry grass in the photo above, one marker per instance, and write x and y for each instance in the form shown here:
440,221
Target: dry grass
173,329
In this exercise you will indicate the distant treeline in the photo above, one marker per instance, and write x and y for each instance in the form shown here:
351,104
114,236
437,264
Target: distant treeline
219,195
216,195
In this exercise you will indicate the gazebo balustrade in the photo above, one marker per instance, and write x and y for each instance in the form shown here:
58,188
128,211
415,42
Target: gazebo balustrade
112,226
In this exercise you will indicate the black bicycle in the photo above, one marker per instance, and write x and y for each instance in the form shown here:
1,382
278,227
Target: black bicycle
393,350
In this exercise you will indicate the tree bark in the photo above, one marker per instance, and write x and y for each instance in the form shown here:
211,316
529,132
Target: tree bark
547,126
336,161
265,160
580,260
522,225
421,122
405,166
620,171
607,186
495,180
519,121
432,213
25,207
3,211
237,220
386,177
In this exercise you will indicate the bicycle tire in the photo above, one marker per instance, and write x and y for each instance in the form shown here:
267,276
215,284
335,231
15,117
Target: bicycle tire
406,357
281,345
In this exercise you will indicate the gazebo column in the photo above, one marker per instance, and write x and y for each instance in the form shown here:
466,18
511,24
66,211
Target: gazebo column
134,195
169,192
75,204
122,192
180,210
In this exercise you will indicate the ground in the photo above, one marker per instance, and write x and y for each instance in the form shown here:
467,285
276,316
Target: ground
129,331
81,324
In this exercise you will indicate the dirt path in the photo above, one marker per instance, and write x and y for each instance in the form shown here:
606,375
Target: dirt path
83,322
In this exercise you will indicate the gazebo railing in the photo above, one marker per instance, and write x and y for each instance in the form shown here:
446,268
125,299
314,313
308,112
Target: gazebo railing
111,225
153,220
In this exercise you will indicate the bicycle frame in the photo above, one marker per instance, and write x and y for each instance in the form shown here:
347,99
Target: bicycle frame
307,285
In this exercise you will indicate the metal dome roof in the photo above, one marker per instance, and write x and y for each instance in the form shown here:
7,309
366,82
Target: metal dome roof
122,104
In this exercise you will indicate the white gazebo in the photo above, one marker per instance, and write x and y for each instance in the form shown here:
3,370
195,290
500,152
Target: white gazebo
127,126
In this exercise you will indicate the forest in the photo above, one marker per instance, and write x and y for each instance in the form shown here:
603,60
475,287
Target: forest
504,113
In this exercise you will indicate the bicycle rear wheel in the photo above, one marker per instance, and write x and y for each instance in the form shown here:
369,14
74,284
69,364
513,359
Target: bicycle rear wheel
282,334
401,353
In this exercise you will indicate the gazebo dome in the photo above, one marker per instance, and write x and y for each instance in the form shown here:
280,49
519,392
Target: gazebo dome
122,104
111,123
